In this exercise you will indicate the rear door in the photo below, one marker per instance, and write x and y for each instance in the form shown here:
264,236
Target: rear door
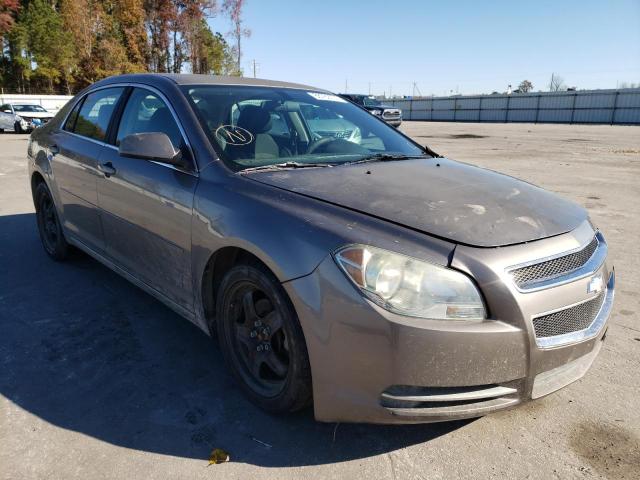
75,151
146,206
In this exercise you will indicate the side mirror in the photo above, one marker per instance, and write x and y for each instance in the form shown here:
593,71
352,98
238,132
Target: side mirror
151,146
8,110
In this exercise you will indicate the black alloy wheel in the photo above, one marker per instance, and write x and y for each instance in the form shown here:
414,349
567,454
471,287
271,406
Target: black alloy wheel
261,339
51,234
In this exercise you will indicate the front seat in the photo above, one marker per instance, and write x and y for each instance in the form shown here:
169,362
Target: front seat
257,120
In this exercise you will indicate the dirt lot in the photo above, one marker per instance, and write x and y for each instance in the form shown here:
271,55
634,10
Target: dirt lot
98,380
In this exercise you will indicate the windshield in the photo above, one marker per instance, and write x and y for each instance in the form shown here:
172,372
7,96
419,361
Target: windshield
28,108
370,102
260,126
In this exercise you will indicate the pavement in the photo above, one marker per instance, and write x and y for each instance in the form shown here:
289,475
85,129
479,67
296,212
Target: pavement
99,380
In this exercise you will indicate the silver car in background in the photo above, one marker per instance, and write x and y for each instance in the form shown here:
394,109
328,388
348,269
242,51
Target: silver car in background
23,117
335,261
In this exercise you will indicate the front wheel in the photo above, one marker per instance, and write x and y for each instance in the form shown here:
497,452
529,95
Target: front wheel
261,339
49,227
17,128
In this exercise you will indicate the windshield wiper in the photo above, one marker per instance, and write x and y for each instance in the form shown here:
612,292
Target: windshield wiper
286,166
385,157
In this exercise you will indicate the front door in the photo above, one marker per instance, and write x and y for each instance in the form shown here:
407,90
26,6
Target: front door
146,206
75,151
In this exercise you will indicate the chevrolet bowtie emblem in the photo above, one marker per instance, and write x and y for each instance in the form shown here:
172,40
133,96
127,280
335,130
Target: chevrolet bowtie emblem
595,284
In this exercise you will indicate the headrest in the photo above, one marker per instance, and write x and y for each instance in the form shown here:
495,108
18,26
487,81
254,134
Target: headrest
255,119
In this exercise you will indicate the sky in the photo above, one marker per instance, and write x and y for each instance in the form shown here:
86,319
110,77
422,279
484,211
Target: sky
445,47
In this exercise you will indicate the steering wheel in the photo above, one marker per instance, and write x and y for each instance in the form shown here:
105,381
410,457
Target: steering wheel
315,146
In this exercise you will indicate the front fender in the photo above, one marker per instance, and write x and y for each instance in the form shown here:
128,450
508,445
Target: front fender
290,233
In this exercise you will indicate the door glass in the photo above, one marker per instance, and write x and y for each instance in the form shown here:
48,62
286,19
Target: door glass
96,112
71,119
146,113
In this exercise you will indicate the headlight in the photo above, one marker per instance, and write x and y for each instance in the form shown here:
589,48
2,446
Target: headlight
376,112
411,287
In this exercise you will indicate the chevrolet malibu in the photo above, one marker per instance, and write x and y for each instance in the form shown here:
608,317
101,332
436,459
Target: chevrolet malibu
361,273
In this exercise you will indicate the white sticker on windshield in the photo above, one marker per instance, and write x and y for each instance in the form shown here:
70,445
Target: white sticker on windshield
327,97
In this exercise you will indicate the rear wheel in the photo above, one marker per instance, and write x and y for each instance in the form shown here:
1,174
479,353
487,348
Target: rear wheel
49,227
261,339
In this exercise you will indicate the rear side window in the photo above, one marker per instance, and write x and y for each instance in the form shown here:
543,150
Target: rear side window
146,113
71,119
95,113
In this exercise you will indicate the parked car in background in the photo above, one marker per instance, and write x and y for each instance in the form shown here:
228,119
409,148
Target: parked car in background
23,117
358,272
391,115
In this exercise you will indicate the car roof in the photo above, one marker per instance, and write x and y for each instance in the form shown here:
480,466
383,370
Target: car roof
197,79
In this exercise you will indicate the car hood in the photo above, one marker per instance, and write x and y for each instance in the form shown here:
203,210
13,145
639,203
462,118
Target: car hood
35,114
380,107
451,200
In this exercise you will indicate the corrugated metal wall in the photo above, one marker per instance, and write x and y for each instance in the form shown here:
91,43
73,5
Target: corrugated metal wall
588,106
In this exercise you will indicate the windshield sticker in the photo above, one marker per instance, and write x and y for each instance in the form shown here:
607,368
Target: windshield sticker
327,97
235,136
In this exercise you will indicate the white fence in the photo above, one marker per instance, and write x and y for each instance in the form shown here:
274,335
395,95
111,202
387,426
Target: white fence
52,103
588,106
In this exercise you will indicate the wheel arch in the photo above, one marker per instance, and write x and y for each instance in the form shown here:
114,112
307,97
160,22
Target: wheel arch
218,264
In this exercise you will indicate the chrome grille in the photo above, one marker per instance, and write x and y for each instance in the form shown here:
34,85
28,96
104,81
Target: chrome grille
569,320
335,134
554,267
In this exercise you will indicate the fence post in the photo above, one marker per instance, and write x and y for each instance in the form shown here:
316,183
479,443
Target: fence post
411,109
506,112
615,105
538,107
573,107
455,108
480,110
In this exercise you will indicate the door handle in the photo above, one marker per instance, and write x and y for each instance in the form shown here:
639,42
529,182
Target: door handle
107,169
54,149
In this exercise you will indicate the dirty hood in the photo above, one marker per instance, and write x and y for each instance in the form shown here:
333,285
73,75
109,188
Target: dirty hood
441,197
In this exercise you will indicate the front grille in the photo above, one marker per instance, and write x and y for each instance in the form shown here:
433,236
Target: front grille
335,134
391,113
569,320
555,267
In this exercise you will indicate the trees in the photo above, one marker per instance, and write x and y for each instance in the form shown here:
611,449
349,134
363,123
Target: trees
64,45
525,86
556,84
8,8
233,8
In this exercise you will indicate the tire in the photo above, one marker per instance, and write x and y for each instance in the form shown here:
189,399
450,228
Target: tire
261,339
17,128
51,234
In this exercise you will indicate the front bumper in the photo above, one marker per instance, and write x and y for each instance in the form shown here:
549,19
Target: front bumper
31,124
396,122
370,365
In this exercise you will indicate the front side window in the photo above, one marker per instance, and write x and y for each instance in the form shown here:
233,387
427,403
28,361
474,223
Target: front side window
145,112
95,113
261,126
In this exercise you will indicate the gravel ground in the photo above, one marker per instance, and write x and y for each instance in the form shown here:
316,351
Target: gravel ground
98,380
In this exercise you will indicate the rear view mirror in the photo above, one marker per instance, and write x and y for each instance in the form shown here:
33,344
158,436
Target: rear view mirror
151,146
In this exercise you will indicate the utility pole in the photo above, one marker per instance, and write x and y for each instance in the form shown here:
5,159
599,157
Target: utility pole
389,91
254,68
346,86
369,88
